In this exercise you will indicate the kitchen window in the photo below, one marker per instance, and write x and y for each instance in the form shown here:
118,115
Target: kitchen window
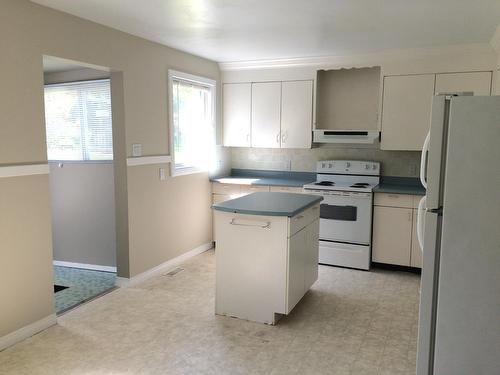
78,120
192,122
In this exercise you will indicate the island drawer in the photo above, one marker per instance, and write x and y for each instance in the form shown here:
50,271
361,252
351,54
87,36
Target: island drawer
393,200
303,219
248,189
219,188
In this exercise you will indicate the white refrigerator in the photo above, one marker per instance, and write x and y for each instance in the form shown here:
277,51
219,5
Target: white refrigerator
459,230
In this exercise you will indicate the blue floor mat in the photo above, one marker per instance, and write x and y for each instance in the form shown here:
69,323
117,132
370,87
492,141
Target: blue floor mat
82,286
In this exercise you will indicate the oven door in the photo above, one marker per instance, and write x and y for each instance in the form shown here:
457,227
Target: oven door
346,217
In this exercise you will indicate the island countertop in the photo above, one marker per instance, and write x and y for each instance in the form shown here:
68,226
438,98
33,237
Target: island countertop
269,204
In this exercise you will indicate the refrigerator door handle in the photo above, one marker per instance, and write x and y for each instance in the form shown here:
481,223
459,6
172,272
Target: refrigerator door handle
423,161
420,222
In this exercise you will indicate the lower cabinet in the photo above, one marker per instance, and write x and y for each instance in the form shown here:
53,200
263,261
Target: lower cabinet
302,263
395,230
265,264
392,228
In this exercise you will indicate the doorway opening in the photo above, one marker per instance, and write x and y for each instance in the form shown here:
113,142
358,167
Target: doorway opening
78,122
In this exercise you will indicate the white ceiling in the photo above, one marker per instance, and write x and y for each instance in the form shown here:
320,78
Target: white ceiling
237,30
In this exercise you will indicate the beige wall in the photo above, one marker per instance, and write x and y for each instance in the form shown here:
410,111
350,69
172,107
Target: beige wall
83,212
29,31
26,291
166,217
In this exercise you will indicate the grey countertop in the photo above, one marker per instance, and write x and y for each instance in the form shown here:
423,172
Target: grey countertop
400,185
262,177
269,204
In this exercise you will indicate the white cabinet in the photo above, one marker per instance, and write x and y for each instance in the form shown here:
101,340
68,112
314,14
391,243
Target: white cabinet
311,256
265,264
477,82
395,230
296,114
296,273
303,259
266,114
237,114
406,111
392,227
407,101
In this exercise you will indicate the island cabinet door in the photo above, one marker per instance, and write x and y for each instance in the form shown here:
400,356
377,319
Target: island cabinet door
311,255
296,272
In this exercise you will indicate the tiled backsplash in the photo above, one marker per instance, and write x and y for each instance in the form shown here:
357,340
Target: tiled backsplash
394,163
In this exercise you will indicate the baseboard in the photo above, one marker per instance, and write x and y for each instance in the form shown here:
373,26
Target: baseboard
166,266
84,266
27,331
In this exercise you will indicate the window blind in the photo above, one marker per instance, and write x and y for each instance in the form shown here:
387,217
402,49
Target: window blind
78,121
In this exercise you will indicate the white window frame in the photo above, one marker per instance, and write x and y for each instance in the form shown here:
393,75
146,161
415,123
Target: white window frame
211,84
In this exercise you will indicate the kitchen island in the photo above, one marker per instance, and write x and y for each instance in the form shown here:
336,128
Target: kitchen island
266,254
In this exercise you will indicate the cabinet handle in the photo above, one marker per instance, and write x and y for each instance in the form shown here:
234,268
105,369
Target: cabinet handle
248,138
278,137
409,216
265,225
299,217
283,137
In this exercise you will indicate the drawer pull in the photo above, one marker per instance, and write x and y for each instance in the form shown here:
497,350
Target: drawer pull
264,225
299,217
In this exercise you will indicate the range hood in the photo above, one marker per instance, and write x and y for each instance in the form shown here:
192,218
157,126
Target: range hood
346,136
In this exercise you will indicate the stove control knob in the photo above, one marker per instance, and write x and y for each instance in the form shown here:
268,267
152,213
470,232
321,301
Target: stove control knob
367,166
347,164
323,165
374,166
330,165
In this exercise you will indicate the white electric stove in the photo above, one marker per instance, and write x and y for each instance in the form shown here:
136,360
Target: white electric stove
346,211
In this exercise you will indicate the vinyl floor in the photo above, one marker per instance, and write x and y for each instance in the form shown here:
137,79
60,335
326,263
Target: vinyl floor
350,322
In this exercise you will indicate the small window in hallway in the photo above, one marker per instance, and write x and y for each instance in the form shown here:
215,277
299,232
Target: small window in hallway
78,120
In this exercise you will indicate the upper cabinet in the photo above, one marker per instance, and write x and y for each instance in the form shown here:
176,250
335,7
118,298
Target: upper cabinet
237,101
348,99
296,114
479,83
266,114
406,111
407,99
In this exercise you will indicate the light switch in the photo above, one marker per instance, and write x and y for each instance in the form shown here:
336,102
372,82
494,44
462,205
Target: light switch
136,149
161,174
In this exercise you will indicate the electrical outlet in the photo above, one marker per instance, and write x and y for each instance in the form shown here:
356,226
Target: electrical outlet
412,169
136,149
161,174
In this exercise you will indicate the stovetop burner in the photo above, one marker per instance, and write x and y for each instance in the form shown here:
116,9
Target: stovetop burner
360,185
325,183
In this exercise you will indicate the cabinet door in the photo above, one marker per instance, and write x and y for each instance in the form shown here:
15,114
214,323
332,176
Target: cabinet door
416,252
296,114
266,108
477,82
406,111
295,275
311,255
392,228
236,114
